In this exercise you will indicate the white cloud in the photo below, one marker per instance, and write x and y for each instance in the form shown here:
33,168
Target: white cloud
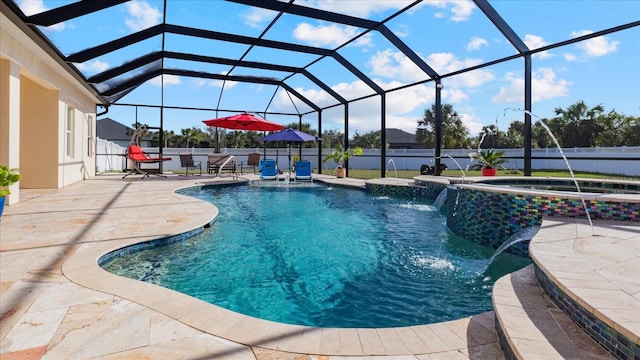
536,42
201,82
447,62
256,17
93,67
329,35
141,15
458,10
594,47
476,43
364,115
402,30
362,8
390,64
32,7
394,65
470,120
461,10
167,81
544,85
454,96
570,57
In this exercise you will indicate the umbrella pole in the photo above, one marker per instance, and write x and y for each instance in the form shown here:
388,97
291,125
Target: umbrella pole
264,147
217,148
289,152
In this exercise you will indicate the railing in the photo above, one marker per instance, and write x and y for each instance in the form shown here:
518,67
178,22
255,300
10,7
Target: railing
609,160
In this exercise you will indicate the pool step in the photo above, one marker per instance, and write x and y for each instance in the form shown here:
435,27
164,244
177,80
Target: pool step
531,326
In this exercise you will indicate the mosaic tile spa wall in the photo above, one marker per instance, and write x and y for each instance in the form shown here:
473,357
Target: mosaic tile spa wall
490,217
616,343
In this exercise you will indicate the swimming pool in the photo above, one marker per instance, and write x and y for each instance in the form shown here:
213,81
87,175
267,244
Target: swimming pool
326,257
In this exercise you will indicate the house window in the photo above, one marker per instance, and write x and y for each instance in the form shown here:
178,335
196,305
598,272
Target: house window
69,130
90,136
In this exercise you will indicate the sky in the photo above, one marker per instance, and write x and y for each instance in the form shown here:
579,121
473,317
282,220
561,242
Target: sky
447,35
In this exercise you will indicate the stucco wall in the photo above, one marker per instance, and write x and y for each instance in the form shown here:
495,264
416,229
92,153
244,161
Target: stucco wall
38,127
44,91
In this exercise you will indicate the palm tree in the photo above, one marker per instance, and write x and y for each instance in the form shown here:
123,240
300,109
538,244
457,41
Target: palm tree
577,125
454,132
193,135
168,138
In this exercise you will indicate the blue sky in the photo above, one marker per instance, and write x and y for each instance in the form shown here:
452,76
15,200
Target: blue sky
448,35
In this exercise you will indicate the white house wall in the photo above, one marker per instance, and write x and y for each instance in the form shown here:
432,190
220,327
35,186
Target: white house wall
22,62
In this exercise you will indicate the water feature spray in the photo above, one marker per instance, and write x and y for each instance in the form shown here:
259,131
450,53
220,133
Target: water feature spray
566,161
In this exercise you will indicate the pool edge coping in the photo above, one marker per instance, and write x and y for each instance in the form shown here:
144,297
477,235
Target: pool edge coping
82,269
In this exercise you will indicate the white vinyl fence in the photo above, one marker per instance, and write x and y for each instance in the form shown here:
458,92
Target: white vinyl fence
615,160
110,157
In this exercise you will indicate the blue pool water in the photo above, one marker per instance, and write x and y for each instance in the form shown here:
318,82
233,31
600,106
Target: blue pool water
327,257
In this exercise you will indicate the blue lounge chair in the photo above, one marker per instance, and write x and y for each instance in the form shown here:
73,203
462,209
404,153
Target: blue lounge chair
268,170
303,170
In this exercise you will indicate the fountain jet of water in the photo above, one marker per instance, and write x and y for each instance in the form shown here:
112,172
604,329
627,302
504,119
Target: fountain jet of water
566,161
525,234
454,212
394,167
439,201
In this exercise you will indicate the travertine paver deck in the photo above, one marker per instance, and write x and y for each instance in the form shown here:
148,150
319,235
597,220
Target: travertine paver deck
534,327
598,267
56,303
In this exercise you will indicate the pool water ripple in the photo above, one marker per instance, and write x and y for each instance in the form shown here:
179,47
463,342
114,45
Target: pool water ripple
327,257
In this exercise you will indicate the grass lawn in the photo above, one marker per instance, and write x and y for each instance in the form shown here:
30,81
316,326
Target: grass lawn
410,174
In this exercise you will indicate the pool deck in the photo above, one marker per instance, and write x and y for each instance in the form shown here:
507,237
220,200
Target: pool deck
57,303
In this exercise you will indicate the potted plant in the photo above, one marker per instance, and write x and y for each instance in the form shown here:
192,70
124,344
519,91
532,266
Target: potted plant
7,178
340,156
488,161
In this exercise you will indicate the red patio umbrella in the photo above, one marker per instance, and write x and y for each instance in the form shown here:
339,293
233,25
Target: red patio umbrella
244,122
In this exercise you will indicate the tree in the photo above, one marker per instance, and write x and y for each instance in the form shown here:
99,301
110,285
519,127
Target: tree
540,138
193,136
632,131
515,135
618,130
169,138
454,132
370,140
577,125
331,138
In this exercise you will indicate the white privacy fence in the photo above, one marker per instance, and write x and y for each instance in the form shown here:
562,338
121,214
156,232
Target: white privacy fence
610,160
614,160
109,157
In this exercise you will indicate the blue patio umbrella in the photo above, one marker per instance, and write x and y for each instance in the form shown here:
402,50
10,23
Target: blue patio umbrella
289,136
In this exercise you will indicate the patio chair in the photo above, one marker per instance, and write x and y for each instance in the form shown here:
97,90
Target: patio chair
219,163
252,160
137,157
268,170
303,171
187,162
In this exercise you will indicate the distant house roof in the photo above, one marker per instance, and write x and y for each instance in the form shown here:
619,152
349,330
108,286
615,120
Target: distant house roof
109,129
398,139
399,136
